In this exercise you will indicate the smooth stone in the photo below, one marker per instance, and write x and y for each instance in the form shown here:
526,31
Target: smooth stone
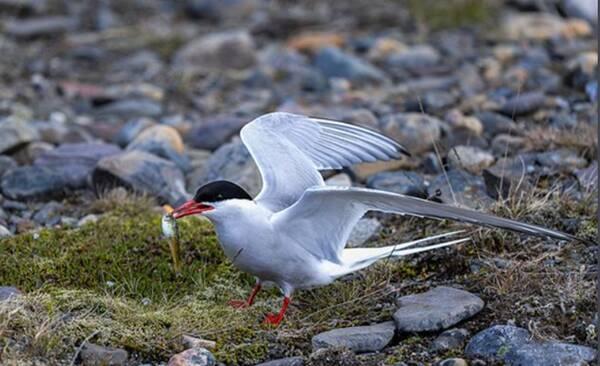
588,177
232,162
288,361
4,232
584,9
453,362
364,229
143,173
57,132
470,158
494,123
229,50
312,42
507,145
220,10
403,182
87,219
436,309
193,357
369,338
7,292
561,160
523,104
513,346
130,108
415,57
6,163
34,182
131,129
417,132
163,141
48,214
40,26
31,151
334,63
75,162
450,339
542,26
15,133
214,132
95,355
461,189
193,342
361,172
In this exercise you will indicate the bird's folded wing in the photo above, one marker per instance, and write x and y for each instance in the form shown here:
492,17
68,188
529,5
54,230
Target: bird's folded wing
333,212
289,150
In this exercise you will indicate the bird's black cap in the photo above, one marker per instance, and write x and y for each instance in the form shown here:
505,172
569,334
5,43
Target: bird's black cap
220,190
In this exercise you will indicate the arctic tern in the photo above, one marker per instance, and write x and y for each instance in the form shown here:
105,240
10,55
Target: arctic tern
294,233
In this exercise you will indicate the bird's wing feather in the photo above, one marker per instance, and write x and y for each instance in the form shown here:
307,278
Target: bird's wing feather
289,150
332,212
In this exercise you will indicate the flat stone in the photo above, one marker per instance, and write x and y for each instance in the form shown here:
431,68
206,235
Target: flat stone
6,163
450,339
163,141
334,63
514,346
40,26
470,158
229,50
461,189
436,309
130,108
141,172
193,357
358,339
34,182
523,104
95,355
415,131
232,162
288,361
364,229
561,160
403,182
495,123
214,132
6,292
15,133
131,129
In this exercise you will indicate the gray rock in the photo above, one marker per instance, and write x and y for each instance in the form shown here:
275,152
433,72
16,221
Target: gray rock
588,177
506,145
436,101
131,129
436,309
58,132
563,120
39,27
334,63
450,339
358,339
514,346
453,362
562,160
49,214
163,141
141,172
470,158
232,162
523,104
510,175
6,292
415,131
34,182
130,108
6,163
584,9
230,50
403,182
31,151
363,231
214,132
75,162
461,189
193,357
219,10
15,133
494,123
415,57
94,355
288,361
4,232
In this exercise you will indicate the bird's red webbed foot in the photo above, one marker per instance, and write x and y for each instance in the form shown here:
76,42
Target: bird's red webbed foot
275,319
240,304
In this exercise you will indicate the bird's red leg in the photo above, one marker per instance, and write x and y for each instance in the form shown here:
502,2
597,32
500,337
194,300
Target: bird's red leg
275,319
243,304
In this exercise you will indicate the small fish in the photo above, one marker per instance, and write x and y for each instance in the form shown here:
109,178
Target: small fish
170,230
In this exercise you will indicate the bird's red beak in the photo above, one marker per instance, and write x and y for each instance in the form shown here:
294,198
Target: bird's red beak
191,207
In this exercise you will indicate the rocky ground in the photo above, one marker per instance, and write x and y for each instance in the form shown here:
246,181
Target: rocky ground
110,109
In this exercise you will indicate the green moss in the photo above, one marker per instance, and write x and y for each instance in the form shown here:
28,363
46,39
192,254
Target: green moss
452,14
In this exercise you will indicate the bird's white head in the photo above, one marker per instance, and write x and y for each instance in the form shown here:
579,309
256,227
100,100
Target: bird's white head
211,198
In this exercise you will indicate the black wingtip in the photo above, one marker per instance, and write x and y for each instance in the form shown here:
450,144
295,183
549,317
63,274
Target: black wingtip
404,151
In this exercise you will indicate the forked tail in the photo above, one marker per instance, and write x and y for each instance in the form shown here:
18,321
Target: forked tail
355,259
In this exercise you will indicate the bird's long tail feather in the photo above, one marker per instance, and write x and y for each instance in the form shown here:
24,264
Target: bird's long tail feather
355,259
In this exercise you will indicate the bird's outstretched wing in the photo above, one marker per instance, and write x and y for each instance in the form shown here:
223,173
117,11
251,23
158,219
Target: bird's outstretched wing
333,212
289,150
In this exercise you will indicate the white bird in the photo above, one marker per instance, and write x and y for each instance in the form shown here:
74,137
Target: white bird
294,233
